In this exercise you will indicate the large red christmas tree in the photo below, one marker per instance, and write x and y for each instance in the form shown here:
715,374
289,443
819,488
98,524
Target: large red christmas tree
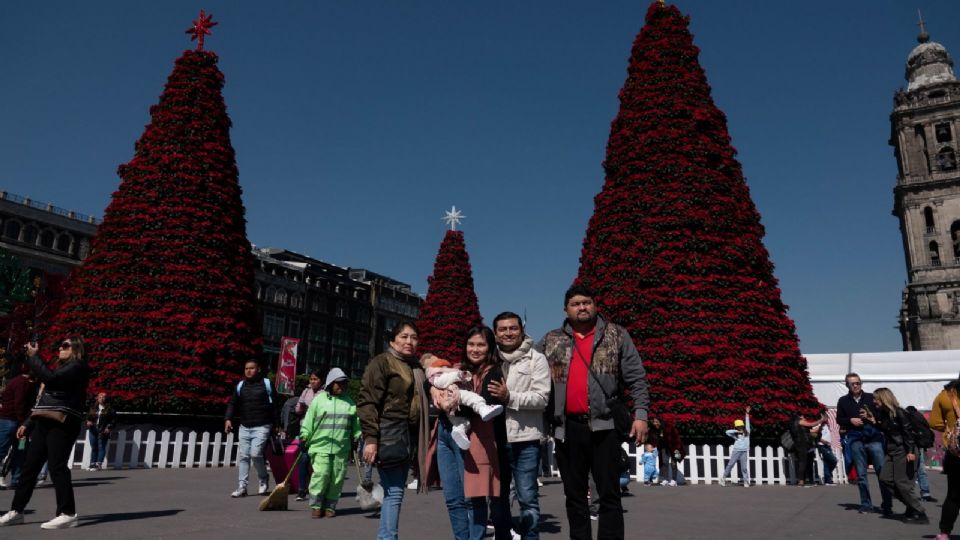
451,305
165,298
674,249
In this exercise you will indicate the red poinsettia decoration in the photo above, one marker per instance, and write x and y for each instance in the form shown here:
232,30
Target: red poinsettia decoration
674,249
165,298
450,308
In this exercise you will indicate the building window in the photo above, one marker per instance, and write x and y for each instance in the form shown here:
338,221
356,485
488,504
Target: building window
296,301
272,325
294,328
63,243
280,296
30,234
256,290
943,133
934,254
340,337
318,332
928,220
955,237
47,238
12,229
947,159
341,310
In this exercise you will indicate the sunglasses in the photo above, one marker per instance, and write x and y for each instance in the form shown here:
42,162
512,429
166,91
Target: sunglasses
65,345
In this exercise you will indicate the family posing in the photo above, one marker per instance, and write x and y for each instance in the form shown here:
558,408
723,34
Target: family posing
493,401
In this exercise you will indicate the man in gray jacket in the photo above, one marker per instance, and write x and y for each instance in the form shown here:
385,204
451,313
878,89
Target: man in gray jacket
591,359
524,392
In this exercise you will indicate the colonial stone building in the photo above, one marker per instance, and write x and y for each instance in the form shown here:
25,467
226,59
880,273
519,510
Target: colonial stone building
44,237
339,314
925,127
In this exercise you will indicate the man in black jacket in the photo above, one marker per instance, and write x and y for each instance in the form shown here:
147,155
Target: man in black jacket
865,441
251,404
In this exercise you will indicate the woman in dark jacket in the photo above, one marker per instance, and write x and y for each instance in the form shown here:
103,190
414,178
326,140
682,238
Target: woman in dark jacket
53,425
667,440
100,420
898,472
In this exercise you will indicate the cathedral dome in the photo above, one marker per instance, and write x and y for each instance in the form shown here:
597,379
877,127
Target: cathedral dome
929,63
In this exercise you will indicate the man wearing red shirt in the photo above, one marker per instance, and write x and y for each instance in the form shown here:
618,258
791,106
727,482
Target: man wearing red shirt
591,359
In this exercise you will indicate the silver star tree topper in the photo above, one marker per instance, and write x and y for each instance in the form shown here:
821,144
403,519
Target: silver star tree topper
453,217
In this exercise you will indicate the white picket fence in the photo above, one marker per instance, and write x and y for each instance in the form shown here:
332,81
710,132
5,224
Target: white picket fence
704,465
138,449
164,450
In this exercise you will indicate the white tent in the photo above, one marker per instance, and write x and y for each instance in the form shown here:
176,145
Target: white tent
914,377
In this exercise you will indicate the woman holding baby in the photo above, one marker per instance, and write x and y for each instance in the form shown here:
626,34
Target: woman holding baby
471,477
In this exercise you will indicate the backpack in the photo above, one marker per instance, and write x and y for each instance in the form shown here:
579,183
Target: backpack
266,383
918,425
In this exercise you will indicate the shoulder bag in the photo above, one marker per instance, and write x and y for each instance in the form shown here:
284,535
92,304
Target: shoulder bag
50,414
619,412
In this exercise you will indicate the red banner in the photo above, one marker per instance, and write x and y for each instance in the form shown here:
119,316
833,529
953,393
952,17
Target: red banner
287,366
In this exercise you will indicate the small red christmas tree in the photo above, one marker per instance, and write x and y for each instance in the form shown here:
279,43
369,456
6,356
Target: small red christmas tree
165,298
451,305
674,249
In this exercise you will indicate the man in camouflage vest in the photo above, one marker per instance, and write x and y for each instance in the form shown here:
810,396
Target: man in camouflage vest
590,359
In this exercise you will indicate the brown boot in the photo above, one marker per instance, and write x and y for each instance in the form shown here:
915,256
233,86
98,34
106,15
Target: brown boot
329,513
316,513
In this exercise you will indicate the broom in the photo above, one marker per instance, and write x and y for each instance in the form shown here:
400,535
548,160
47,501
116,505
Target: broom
277,500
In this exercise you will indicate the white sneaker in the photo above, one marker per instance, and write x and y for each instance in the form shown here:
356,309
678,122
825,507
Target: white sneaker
240,492
488,412
514,535
414,484
673,483
723,481
746,484
264,489
460,437
539,482
3,482
11,518
42,481
63,521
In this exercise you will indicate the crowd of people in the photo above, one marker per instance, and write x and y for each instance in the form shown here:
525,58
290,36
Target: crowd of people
475,427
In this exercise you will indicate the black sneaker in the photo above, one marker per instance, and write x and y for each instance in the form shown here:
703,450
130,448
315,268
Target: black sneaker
928,498
916,519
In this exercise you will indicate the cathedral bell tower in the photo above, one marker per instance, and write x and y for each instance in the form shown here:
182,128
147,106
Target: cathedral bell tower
925,125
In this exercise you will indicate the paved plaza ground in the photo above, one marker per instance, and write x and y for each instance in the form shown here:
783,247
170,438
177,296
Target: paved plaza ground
195,503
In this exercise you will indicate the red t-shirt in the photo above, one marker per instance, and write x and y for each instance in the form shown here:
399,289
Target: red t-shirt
578,397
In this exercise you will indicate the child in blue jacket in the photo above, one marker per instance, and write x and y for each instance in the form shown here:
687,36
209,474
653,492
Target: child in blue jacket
740,450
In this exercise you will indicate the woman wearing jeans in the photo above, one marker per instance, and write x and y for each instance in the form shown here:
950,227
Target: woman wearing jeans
54,426
393,393
100,420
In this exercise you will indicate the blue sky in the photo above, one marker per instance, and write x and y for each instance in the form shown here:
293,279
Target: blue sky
357,124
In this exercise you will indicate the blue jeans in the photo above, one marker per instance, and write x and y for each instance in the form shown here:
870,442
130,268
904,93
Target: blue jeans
392,479
8,438
450,467
829,462
922,473
525,466
740,457
873,451
253,440
98,447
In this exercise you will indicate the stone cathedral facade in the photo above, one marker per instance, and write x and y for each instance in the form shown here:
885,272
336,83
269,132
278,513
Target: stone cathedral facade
925,125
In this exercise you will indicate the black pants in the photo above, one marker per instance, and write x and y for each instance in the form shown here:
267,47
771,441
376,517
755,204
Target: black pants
581,453
50,442
951,506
